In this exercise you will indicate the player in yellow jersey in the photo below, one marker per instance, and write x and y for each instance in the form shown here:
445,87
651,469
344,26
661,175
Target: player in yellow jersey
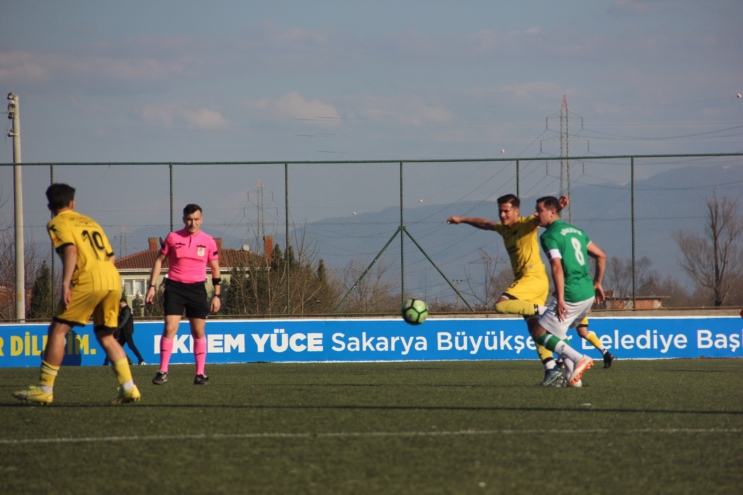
91,286
528,293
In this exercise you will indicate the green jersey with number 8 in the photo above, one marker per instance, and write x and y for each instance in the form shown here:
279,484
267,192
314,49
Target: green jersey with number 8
562,240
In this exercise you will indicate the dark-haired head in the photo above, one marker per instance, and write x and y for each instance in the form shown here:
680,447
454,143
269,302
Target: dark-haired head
510,199
191,208
550,203
60,196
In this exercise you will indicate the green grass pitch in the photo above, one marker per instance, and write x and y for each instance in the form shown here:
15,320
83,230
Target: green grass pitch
673,426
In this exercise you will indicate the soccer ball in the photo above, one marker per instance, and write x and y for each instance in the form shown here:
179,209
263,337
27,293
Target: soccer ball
414,311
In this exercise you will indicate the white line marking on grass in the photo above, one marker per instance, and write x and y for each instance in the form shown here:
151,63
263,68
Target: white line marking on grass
259,436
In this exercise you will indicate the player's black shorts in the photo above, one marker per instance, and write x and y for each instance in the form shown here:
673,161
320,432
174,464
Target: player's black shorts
191,297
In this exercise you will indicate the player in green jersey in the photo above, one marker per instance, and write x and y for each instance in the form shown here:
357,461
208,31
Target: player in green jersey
567,249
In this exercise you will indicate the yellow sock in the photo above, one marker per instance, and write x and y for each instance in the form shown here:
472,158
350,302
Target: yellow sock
515,307
591,337
544,353
48,374
122,371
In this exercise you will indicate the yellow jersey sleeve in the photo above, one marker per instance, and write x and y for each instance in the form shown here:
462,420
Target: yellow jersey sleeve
60,233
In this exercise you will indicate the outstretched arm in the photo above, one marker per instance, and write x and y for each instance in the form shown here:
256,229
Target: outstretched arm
595,252
480,223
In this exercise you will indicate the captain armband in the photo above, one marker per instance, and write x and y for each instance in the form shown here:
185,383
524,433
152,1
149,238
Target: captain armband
216,281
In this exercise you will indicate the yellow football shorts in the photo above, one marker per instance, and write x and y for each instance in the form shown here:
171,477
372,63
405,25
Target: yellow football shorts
103,305
533,288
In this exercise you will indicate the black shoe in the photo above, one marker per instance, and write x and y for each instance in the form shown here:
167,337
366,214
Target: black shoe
551,377
160,378
201,380
608,359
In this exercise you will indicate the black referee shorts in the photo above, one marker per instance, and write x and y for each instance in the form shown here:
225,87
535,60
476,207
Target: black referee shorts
191,297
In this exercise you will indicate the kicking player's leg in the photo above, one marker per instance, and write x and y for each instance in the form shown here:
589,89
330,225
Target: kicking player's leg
591,337
526,296
509,304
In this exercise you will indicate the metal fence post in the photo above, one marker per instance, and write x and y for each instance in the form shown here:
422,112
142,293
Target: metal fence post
170,166
286,232
518,173
632,222
402,243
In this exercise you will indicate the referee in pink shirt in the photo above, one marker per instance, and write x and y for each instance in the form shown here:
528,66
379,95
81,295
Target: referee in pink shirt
188,250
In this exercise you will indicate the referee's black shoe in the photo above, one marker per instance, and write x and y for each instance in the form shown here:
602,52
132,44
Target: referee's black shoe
160,378
608,359
201,380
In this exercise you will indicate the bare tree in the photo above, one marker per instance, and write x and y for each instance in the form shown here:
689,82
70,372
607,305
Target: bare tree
495,279
33,262
373,294
713,259
618,276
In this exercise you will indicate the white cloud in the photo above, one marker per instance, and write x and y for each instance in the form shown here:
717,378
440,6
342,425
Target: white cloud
293,106
173,116
203,118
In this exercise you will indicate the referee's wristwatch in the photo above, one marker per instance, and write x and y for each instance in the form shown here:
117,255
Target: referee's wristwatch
218,296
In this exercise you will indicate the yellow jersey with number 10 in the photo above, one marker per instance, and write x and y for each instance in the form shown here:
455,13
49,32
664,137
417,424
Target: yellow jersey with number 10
94,252
522,245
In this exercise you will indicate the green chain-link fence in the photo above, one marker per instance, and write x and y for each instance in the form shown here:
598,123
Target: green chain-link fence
328,223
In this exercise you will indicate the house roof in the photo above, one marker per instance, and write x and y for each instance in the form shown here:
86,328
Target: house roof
140,260
228,258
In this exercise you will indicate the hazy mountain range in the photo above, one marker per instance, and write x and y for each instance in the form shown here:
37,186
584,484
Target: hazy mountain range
664,203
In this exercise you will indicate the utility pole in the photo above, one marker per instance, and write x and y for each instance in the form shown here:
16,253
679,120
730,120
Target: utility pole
565,137
20,262
123,247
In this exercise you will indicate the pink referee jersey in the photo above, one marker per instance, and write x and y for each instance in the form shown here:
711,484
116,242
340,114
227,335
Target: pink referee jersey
188,255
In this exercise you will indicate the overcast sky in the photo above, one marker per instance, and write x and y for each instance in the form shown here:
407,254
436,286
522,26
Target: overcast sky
331,80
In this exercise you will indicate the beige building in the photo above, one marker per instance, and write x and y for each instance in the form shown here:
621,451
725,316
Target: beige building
642,302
